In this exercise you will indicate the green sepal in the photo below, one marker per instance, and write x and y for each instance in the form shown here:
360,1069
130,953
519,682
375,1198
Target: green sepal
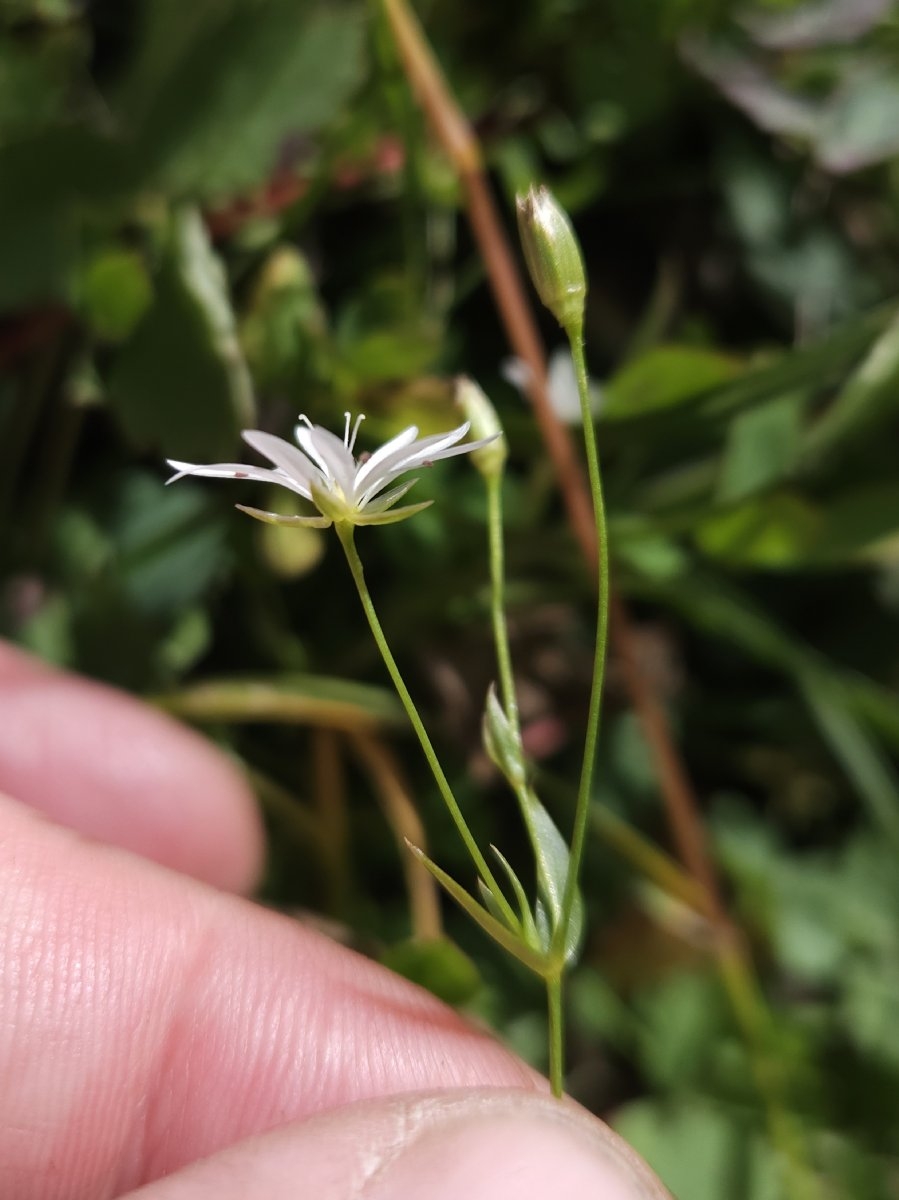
392,515
331,506
272,518
341,513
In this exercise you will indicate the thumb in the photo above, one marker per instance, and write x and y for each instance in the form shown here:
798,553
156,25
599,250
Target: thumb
481,1145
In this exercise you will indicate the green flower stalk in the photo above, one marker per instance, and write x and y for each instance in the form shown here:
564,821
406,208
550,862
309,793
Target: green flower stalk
557,269
346,492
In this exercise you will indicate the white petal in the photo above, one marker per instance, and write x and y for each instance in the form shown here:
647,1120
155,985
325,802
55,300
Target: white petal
372,491
373,464
563,391
234,471
426,450
285,456
341,466
334,461
517,372
429,449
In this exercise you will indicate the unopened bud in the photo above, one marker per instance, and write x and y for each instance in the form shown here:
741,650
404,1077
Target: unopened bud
553,257
485,423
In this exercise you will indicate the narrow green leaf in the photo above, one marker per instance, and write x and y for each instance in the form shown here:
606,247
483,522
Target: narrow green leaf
528,929
813,366
180,384
553,863
482,917
663,378
492,904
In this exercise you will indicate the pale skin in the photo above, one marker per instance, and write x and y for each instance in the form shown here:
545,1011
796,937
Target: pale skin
159,1032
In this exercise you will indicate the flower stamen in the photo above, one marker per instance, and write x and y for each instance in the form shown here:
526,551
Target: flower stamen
350,438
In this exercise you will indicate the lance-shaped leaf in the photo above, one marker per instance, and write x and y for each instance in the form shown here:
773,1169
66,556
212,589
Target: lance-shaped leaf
498,931
553,863
528,928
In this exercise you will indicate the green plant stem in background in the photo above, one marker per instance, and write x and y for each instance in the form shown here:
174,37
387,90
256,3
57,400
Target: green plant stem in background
582,807
555,964
754,1019
345,533
497,603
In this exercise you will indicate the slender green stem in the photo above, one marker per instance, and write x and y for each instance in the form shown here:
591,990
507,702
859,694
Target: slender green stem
345,533
582,808
523,792
556,1032
497,601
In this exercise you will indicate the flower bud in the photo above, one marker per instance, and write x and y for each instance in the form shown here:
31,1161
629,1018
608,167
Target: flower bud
553,257
485,423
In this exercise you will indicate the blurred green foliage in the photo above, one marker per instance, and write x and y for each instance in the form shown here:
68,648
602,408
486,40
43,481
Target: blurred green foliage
219,214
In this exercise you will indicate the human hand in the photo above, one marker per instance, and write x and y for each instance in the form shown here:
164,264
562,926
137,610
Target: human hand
158,1030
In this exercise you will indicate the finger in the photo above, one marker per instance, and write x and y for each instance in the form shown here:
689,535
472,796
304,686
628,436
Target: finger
100,762
147,1021
482,1145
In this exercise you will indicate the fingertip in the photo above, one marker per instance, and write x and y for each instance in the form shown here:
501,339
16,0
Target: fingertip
480,1144
102,763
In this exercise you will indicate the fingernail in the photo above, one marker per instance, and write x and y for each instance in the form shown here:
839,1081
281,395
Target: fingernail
509,1146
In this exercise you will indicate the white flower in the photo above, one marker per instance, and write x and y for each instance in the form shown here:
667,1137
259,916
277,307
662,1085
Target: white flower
324,471
562,385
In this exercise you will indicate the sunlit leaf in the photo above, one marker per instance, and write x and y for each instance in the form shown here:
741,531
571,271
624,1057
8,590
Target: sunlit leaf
698,1149
663,378
762,446
115,292
777,531
180,384
264,73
